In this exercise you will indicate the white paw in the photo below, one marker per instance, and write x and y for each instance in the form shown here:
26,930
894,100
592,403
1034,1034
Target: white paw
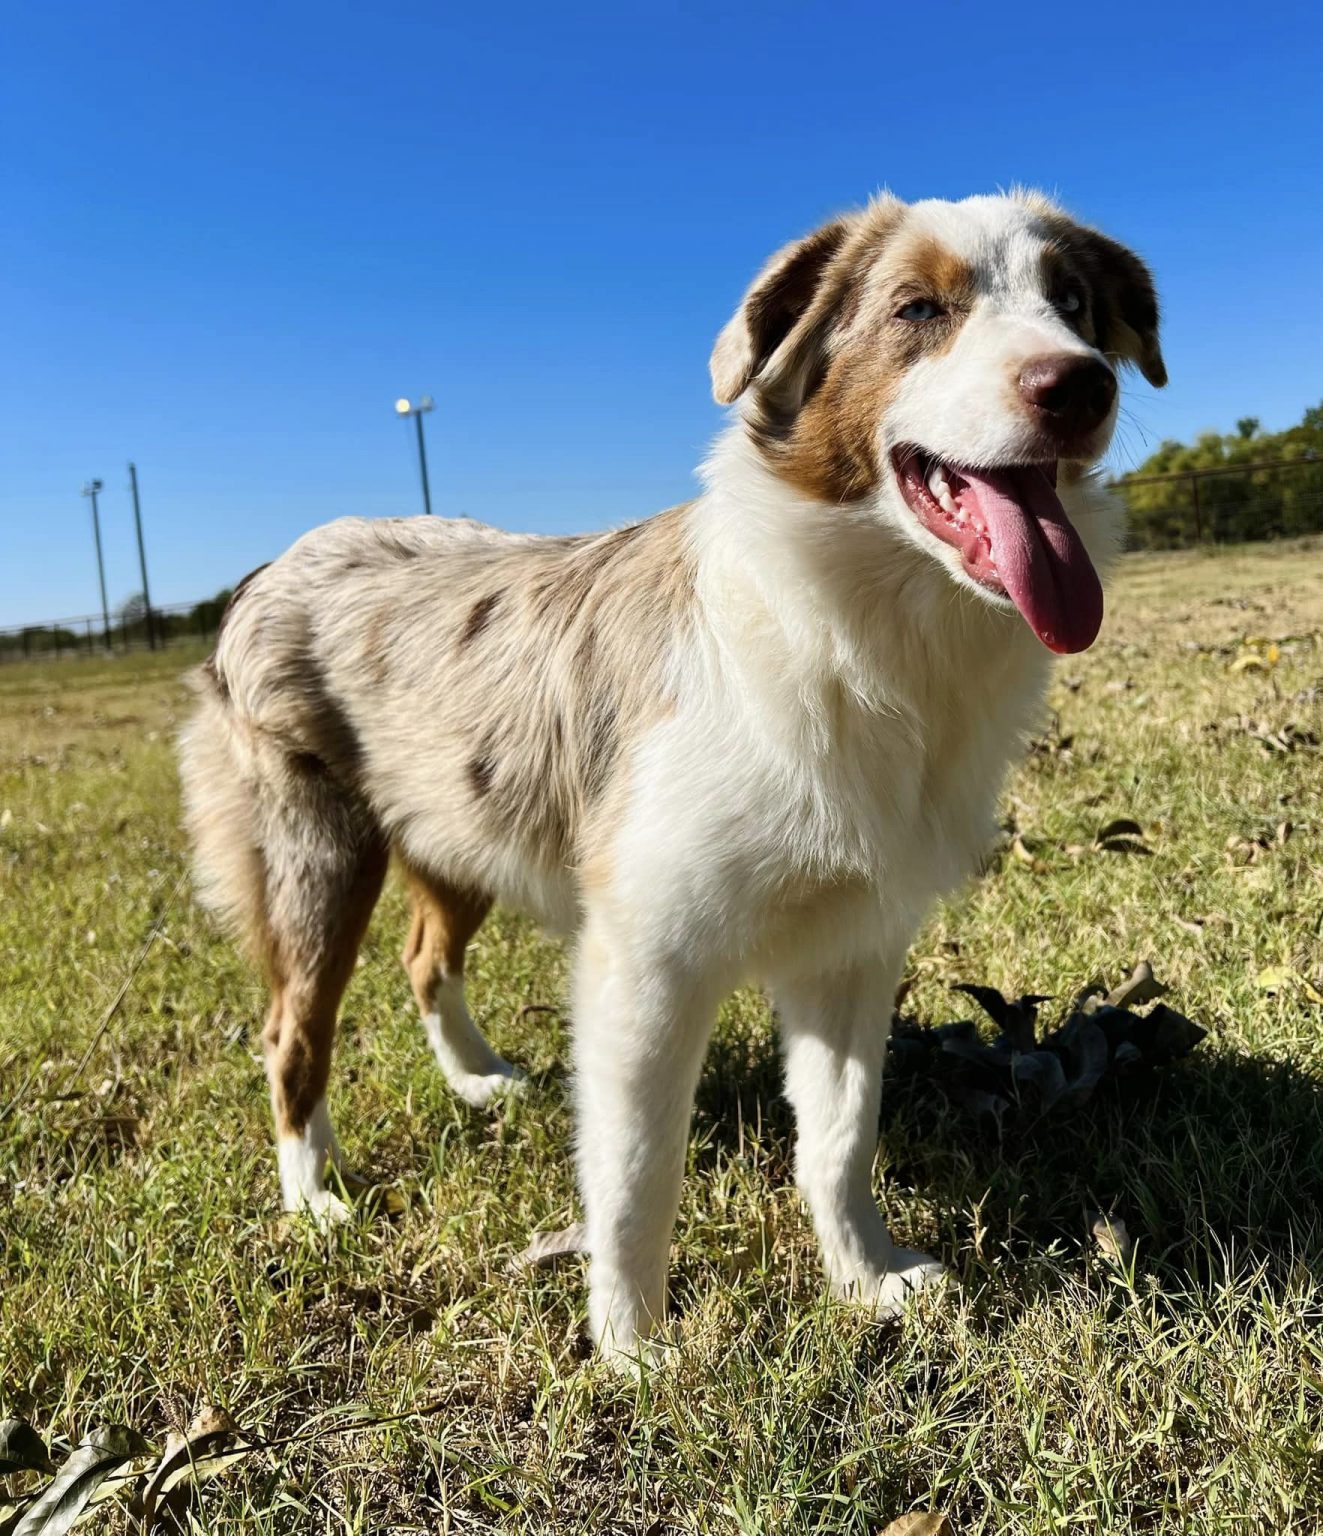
888,1294
641,1356
324,1209
481,1088
629,1344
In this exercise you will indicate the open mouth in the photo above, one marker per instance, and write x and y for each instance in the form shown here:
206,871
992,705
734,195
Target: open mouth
1013,537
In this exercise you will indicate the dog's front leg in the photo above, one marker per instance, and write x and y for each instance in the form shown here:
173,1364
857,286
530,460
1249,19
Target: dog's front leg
834,1032
641,1022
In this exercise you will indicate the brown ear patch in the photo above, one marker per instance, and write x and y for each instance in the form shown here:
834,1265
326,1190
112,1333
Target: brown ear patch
828,447
780,297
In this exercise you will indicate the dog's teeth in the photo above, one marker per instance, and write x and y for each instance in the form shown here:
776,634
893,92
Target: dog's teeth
946,501
937,482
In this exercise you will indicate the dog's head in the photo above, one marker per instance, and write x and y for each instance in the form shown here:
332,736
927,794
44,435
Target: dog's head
945,363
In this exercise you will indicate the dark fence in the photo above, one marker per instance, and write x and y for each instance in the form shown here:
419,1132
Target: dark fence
1228,504
88,634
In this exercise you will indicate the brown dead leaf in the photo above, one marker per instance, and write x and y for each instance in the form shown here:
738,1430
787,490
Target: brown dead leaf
549,1248
1140,987
209,1445
920,1523
1022,854
1111,1238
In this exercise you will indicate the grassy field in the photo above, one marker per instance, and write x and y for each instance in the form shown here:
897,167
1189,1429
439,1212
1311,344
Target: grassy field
143,1271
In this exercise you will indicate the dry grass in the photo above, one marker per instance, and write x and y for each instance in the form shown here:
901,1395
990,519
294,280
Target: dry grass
142,1272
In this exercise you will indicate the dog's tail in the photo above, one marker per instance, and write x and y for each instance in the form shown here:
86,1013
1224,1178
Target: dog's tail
221,813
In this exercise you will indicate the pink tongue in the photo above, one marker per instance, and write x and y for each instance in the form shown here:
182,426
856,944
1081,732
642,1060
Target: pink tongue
1042,563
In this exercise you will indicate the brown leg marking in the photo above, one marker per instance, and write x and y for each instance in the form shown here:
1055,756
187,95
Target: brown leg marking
445,918
309,973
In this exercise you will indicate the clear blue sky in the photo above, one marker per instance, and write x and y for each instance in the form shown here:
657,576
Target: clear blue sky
233,235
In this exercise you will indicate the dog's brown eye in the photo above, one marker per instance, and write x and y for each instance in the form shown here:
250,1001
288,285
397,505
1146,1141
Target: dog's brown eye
920,309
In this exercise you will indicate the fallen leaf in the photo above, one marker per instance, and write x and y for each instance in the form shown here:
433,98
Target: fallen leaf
1248,661
1111,1237
87,1477
1086,1051
1141,987
1023,854
548,1248
919,1523
209,1445
21,1448
1017,1020
1274,978
1042,1072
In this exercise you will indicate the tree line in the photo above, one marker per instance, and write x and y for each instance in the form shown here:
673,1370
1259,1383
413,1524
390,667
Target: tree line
1221,497
128,628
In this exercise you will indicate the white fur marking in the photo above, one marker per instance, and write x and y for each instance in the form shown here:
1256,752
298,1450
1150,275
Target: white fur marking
302,1160
473,1070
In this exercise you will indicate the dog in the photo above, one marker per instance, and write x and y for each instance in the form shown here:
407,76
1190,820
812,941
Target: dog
748,739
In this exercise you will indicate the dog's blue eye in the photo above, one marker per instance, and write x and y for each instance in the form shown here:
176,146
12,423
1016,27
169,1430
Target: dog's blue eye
1070,302
919,309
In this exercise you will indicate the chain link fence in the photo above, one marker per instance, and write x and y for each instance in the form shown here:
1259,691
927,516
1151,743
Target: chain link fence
1229,504
90,635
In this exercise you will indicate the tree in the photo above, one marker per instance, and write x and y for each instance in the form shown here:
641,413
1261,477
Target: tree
1166,513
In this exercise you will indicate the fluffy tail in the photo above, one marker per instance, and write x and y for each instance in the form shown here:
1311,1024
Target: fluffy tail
221,810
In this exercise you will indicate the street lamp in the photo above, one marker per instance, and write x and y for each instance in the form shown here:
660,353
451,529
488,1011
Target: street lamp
417,411
91,489
142,559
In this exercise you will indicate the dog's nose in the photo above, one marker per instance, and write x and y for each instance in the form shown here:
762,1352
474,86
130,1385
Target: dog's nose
1068,393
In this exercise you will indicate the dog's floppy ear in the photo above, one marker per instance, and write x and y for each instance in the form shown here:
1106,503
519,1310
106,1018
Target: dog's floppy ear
1125,305
768,337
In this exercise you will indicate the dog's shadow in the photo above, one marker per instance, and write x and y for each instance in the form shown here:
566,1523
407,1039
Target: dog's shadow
1213,1162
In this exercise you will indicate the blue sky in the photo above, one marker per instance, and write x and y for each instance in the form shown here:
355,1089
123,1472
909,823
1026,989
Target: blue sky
233,235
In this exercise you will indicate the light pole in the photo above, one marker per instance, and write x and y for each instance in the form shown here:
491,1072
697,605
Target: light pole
417,411
142,558
91,489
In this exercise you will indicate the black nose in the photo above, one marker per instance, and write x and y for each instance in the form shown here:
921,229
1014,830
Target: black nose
1068,393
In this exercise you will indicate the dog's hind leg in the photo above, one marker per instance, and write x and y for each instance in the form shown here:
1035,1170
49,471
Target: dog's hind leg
291,859
444,919
324,872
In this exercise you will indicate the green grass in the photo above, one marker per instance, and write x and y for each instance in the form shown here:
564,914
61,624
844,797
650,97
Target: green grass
143,1271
